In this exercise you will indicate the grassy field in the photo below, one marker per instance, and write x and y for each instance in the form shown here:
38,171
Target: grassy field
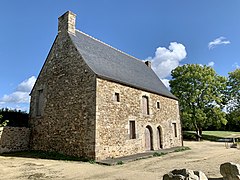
221,133
211,135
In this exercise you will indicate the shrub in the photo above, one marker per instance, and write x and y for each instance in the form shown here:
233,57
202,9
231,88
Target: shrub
182,149
119,162
155,154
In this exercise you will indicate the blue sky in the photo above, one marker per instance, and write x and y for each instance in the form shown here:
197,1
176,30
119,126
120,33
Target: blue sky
169,33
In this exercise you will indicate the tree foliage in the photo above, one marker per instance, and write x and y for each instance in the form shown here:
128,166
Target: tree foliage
234,89
15,118
4,123
234,100
201,94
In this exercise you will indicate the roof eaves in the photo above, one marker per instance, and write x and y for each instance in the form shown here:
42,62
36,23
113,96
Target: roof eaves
137,87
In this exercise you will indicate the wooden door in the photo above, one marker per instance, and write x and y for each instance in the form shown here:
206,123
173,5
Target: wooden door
159,137
148,139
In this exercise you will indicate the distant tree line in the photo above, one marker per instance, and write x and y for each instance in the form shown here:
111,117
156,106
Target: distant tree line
207,100
14,118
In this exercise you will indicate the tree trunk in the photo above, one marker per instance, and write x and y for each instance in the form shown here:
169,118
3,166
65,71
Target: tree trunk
198,135
200,132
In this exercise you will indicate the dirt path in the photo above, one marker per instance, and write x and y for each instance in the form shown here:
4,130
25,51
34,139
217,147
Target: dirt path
205,156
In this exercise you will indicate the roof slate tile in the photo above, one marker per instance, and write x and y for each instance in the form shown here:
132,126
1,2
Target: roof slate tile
112,64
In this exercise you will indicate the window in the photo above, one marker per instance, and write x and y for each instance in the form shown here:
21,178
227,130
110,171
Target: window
39,102
145,105
117,97
175,129
158,105
132,129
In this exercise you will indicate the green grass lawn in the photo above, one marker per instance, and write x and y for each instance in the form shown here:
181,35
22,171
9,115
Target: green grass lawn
221,133
211,135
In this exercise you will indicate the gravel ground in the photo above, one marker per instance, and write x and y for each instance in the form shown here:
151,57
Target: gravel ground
205,156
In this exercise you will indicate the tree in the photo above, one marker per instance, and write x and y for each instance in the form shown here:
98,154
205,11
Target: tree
4,123
233,119
201,94
16,118
234,100
234,89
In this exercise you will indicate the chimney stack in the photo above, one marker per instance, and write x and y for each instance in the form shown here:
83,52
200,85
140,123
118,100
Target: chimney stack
148,63
66,22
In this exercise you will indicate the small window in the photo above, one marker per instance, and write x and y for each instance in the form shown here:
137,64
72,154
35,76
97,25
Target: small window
158,105
145,105
39,102
117,97
175,129
132,129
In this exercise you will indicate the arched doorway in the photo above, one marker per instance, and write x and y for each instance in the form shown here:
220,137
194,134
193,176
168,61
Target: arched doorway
159,137
148,138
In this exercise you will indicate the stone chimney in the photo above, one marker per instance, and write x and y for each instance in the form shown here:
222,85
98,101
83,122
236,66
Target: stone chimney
148,63
66,22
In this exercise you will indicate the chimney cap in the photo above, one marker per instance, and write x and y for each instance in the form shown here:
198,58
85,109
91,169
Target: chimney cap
66,22
66,13
148,63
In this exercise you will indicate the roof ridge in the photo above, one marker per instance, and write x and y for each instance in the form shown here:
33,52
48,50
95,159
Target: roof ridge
137,74
109,45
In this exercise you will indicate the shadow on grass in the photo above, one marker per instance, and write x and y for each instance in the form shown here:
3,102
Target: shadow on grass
211,137
192,136
46,155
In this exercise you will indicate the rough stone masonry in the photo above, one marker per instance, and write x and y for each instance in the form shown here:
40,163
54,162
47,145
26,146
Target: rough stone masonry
93,100
14,139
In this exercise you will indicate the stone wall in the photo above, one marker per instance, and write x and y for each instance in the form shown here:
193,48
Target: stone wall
14,139
73,112
67,120
112,120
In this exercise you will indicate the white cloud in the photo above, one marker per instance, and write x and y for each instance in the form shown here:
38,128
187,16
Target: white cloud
235,65
21,107
166,83
26,85
165,60
16,97
219,41
21,95
211,64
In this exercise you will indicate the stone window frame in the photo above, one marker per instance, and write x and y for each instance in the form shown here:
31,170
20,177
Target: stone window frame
39,102
158,105
132,127
116,97
174,128
145,112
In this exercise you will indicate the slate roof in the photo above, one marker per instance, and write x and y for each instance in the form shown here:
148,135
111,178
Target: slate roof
112,64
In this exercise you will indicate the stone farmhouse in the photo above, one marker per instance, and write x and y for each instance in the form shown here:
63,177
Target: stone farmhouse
93,100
